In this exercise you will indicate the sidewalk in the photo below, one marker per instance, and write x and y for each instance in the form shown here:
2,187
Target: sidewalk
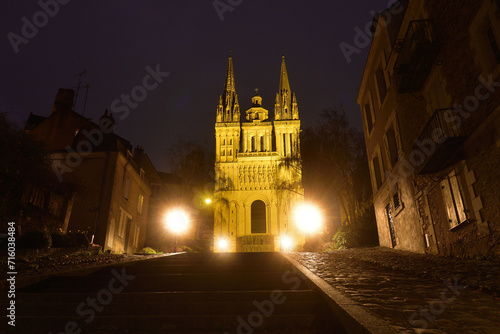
415,293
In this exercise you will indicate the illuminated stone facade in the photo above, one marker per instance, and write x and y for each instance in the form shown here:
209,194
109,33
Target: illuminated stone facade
258,170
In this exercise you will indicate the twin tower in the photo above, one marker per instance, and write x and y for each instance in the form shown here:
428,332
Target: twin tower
258,171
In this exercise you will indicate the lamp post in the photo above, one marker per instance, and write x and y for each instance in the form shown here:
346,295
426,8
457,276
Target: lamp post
308,219
177,222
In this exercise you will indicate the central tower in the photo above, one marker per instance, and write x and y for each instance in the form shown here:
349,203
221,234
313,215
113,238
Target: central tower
257,169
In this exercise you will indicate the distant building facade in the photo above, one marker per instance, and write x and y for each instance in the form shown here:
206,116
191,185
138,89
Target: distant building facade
430,103
255,189
111,189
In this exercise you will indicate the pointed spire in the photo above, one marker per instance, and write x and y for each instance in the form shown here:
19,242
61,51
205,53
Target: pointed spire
285,108
230,76
284,83
228,108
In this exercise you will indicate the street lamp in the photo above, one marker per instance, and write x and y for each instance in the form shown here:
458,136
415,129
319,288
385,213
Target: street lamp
222,244
286,243
308,218
177,222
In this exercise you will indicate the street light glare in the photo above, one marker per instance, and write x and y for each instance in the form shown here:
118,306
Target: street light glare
286,243
223,244
208,200
177,221
308,218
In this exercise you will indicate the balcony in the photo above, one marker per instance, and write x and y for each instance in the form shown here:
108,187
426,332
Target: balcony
416,57
440,140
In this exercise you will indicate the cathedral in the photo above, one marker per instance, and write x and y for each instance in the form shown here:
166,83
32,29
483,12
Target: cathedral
258,171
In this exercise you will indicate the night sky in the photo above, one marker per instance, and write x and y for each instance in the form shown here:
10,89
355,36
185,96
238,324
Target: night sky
114,41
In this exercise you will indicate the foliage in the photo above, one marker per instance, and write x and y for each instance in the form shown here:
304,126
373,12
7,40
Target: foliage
194,249
24,167
346,237
190,162
149,250
35,238
335,170
71,239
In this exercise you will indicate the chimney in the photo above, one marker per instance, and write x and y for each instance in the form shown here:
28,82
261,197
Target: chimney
107,121
64,100
138,152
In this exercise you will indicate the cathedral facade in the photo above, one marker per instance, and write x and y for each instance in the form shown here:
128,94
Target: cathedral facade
258,171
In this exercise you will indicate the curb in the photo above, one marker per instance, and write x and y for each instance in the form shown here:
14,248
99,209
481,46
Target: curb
353,318
29,280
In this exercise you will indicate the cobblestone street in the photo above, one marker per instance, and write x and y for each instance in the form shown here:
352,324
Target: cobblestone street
413,292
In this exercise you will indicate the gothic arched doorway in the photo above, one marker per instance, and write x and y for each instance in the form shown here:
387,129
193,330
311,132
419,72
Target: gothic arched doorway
258,216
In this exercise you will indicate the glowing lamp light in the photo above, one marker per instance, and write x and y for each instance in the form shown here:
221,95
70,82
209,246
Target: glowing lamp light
208,200
177,221
286,243
308,218
223,244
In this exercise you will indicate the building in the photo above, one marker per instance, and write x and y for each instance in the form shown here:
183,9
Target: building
430,105
258,170
111,189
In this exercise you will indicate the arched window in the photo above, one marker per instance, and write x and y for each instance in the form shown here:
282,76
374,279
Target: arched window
253,145
284,144
258,216
262,143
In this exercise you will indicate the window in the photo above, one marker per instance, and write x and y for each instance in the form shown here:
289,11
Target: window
137,231
140,203
125,220
377,172
230,142
258,217
453,200
391,145
382,88
397,202
368,117
155,191
494,45
261,143
142,174
253,144
284,144
126,187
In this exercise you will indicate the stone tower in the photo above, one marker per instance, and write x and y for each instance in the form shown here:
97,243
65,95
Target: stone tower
258,170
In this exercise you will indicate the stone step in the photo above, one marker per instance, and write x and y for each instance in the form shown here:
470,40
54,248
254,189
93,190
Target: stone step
168,297
169,323
172,282
170,308
199,269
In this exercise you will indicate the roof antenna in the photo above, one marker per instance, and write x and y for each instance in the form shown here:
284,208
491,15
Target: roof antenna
79,75
86,95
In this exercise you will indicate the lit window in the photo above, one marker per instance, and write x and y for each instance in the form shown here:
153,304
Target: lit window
140,202
125,221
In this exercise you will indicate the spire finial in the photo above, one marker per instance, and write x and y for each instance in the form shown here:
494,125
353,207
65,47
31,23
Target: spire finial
282,52
230,52
256,91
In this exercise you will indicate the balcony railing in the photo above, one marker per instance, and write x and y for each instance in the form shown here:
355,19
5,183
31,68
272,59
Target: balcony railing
440,140
418,52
